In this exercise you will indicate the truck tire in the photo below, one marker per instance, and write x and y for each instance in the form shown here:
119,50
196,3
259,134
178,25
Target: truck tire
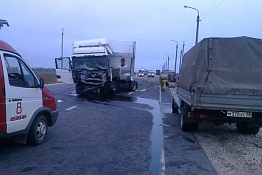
194,126
243,128
183,117
174,108
184,124
38,130
78,89
132,86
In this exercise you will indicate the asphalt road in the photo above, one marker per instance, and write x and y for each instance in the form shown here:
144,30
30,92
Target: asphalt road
120,135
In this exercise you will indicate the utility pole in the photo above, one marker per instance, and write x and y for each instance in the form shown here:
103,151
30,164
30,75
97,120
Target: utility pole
62,43
168,61
181,55
183,47
197,27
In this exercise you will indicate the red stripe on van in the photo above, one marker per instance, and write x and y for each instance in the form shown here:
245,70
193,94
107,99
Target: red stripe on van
3,125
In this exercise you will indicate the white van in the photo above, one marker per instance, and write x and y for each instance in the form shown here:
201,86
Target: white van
27,108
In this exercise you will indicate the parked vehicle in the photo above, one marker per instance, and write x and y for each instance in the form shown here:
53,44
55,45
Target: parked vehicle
143,70
27,108
171,76
221,82
157,72
99,65
140,74
151,74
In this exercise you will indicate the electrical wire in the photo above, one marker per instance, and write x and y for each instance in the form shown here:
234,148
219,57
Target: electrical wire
209,7
212,9
189,32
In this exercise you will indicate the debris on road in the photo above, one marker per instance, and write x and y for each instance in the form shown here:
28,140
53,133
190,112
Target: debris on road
60,100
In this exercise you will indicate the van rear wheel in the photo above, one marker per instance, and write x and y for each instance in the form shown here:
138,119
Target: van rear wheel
38,131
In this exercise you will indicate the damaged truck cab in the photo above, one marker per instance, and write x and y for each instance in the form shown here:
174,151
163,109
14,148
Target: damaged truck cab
99,65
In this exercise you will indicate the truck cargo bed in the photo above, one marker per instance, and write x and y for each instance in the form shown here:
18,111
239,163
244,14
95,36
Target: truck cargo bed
231,102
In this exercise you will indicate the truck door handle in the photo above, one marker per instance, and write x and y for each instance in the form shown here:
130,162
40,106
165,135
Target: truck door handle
15,99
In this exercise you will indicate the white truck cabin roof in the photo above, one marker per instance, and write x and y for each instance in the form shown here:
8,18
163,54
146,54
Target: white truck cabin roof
101,46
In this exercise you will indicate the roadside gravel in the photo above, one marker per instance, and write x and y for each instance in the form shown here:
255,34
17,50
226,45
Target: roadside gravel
230,152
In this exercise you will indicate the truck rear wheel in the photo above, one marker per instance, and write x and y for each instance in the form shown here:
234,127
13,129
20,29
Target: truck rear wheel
174,108
184,124
38,131
243,128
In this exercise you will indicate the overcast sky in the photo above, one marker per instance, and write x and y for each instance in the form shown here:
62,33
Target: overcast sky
35,26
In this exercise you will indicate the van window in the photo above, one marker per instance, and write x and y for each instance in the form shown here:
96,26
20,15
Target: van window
30,80
19,74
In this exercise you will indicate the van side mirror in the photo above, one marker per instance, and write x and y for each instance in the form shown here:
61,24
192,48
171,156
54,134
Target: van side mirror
42,82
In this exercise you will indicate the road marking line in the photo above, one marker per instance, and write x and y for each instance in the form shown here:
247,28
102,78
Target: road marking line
72,107
130,93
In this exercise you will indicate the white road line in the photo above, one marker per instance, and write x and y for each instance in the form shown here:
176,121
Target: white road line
72,107
130,93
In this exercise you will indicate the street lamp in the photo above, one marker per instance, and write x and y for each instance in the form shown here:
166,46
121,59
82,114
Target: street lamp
176,52
2,22
197,21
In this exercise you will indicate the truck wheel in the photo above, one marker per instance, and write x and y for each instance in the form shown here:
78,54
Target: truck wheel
243,128
132,86
183,117
184,124
135,85
194,126
38,131
174,109
78,89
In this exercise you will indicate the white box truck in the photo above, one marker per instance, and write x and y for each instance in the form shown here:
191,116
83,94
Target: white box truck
99,65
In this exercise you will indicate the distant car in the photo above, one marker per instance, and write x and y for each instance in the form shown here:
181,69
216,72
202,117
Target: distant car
140,74
151,74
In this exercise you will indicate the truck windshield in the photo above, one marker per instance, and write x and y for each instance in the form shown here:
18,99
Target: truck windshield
90,63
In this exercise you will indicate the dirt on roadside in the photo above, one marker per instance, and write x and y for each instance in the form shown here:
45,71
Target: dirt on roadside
229,151
49,78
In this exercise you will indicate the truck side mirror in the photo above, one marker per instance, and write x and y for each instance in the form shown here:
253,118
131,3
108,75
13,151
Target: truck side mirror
42,82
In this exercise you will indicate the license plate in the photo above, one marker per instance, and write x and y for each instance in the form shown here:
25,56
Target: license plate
239,114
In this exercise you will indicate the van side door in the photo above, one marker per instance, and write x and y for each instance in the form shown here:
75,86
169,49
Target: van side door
23,95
